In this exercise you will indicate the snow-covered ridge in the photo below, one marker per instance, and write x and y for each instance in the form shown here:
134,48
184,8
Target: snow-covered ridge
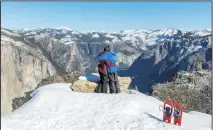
139,38
66,28
55,106
166,31
9,37
129,44
9,32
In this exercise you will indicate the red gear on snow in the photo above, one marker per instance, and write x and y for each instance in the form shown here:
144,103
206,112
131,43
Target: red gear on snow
167,111
178,112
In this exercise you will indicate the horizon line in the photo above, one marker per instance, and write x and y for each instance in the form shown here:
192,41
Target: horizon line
70,29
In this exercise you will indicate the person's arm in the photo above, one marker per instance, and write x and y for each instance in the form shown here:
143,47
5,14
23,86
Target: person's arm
106,62
101,53
103,57
97,68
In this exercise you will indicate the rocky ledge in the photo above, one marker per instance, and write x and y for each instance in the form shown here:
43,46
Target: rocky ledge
89,83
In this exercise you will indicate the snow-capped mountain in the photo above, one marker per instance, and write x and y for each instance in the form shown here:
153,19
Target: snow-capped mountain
129,44
148,56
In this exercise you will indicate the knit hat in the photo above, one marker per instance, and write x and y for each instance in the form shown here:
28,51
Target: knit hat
110,46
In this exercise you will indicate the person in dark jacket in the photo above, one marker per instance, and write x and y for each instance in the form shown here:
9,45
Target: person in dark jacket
110,56
102,70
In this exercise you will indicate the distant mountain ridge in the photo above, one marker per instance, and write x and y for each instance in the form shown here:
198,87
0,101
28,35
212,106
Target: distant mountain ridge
148,56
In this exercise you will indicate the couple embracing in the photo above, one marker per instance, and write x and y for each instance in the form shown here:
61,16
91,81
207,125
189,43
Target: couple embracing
107,69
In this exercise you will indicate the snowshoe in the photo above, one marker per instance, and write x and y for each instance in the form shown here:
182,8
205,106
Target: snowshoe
167,111
178,112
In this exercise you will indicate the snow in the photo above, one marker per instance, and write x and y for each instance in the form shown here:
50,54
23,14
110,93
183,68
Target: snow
41,35
143,47
56,107
202,32
198,47
25,29
181,51
137,37
209,29
193,48
110,36
198,113
6,40
67,36
168,32
75,32
95,36
115,40
128,38
65,28
134,35
31,33
132,32
9,33
68,42
107,41
65,39
64,31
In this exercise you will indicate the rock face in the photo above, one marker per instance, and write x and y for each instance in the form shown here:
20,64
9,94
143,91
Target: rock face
67,48
160,63
23,66
148,56
68,78
88,86
84,86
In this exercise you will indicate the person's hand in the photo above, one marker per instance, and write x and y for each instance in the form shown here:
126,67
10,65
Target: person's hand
96,70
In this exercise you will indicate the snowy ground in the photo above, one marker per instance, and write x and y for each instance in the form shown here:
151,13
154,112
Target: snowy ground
56,107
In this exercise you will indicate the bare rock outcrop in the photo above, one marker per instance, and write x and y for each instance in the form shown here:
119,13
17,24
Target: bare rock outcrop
23,66
67,78
89,86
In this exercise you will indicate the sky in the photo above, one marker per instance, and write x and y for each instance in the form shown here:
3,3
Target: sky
106,16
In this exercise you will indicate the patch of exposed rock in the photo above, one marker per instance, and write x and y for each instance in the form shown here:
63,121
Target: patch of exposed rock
68,78
23,66
89,86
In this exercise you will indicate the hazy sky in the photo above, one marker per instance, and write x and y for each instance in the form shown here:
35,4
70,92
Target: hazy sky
106,16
